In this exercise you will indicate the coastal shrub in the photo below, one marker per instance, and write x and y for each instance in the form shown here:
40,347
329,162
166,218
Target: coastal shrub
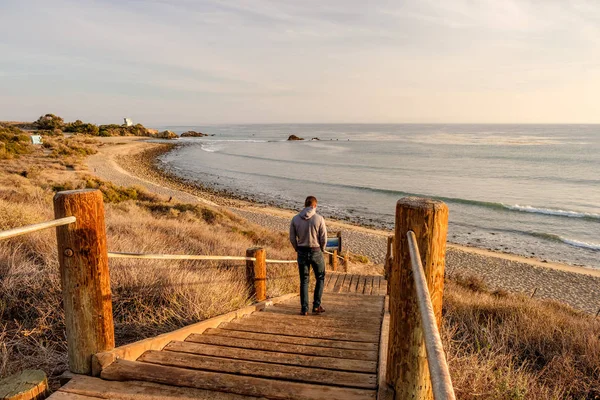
110,130
83,128
14,142
122,130
49,132
208,215
71,146
472,282
360,258
511,346
49,122
116,194
137,130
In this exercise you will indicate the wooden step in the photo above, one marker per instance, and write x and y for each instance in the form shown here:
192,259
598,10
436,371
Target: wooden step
339,364
346,296
123,370
267,337
347,313
333,314
320,319
304,331
350,284
342,298
326,317
83,387
259,369
340,326
347,302
284,347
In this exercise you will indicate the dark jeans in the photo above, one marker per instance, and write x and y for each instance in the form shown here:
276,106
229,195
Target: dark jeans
314,259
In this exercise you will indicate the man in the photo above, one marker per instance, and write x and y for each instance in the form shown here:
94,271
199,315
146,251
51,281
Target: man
308,235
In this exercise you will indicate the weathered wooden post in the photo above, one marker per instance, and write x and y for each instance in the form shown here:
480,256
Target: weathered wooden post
85,279
26,385
256,273
407,368
333,260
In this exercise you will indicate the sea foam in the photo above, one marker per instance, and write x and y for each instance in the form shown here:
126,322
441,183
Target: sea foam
550,211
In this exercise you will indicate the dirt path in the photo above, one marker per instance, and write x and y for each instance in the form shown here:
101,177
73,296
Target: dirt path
105,165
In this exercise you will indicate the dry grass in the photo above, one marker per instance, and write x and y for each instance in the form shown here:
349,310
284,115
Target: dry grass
504,346
149,297
499,346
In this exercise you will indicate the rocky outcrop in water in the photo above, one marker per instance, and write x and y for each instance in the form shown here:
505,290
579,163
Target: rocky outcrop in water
166,135
294,137
194,134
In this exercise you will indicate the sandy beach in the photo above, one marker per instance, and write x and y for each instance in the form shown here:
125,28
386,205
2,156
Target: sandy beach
132,162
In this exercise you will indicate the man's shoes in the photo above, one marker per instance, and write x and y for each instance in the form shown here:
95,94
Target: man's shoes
318,310
303,312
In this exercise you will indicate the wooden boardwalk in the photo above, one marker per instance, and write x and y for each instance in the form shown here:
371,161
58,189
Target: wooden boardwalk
359,284
275,354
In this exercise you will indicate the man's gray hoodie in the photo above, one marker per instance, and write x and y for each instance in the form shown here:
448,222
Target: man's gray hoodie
308,229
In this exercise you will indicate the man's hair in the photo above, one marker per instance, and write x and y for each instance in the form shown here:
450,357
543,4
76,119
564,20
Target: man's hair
310,201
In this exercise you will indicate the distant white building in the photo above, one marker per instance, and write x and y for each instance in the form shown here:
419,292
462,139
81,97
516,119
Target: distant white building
128,122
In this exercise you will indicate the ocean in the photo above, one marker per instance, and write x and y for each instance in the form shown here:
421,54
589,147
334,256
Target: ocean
531,190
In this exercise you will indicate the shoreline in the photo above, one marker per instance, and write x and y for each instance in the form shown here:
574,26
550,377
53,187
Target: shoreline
143,164
574,285
150,158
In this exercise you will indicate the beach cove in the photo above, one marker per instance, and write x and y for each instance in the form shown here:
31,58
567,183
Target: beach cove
131,161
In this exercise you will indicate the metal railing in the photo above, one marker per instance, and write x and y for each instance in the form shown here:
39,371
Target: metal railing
23,230
436,358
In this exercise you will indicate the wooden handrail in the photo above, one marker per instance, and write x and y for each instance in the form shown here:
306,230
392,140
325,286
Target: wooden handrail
176,257
330,253
436,358
23,230
268,261
191,257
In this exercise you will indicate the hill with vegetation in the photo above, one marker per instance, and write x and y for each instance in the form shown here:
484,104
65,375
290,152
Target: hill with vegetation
53,125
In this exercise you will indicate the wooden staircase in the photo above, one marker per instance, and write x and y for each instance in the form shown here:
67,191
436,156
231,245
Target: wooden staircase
274,353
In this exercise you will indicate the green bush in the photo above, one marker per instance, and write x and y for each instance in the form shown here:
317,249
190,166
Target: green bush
48,132
81,127
174,209
116,194
71,146
49,122
122,130
13,142
111,130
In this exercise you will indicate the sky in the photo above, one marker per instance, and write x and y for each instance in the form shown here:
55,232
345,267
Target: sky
194,62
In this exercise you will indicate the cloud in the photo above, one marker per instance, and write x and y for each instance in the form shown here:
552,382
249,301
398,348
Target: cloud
283,60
